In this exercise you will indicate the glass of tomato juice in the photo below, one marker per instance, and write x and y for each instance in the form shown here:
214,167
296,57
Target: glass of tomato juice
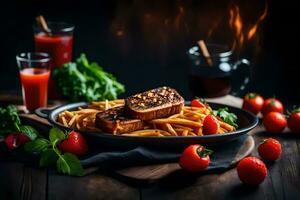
59,44
34,71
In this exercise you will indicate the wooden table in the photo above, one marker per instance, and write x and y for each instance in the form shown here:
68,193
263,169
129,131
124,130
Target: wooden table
21,181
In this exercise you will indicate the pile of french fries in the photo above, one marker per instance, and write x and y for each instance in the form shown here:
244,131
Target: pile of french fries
188,122
83,119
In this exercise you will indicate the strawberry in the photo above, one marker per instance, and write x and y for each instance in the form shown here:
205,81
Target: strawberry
14,140
210,125
252,171
75,144
270,149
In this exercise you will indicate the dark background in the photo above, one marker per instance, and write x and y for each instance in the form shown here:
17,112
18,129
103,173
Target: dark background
144,43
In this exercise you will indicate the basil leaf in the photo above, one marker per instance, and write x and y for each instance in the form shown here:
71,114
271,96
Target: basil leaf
56,135
69,164
39,145
10,120
29,131
229,118
48,157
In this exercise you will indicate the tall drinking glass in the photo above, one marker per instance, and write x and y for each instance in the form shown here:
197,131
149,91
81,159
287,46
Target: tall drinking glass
59,44
34,71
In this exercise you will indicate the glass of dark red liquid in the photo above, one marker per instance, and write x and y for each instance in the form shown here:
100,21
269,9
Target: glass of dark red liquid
217,75
59,44
34,71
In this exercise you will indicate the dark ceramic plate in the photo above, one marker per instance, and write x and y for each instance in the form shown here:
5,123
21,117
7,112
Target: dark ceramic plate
246,122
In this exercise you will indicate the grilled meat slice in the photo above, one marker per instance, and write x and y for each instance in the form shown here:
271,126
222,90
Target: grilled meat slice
113,121
156,103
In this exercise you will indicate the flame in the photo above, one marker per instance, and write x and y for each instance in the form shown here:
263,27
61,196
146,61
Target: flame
253,30
242,31
235,21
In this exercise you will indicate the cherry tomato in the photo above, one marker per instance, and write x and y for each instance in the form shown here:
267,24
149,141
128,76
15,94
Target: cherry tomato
270,149
197,103
210,125
274,122
272,104
294,121
252,171
195,158
253,103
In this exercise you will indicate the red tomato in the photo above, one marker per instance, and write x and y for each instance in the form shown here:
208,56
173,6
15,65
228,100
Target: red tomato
253,103
252,171
294,121
210,125
270,149
274,122
195,158
197,103
272,104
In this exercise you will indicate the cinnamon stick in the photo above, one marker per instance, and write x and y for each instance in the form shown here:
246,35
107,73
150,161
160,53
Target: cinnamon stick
43,24
205,52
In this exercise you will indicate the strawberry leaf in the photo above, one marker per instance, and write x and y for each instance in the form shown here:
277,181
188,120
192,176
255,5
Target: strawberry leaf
56,135
39,145
48,157
31,132
69,164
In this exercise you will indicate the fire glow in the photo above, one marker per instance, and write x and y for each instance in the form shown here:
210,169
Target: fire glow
241,31
164,22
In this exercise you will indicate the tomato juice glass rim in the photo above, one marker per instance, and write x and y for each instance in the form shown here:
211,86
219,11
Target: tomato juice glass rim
56,28
33,57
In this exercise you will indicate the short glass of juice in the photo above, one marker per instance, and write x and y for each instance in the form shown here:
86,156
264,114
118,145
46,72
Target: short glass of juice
34,71
58,44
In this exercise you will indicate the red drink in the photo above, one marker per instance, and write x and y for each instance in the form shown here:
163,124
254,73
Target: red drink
59,45
34,87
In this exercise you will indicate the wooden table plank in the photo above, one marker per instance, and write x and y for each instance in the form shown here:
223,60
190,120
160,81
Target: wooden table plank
93,186
22,182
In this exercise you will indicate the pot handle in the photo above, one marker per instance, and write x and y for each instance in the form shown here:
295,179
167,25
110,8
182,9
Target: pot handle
244,79
43,112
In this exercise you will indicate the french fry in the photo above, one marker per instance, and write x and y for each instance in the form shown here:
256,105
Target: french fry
72,120
191,133
183,127
185,133
150,132
170,129
64,121
177,121
226,126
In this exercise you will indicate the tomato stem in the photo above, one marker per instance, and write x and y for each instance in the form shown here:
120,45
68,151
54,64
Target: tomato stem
202,100
203,152
251,95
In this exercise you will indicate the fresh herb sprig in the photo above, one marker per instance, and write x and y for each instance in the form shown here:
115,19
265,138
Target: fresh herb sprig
85,81
10,120
11,123
226,116
50,155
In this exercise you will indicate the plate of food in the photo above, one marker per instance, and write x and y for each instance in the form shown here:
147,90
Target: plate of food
158,118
